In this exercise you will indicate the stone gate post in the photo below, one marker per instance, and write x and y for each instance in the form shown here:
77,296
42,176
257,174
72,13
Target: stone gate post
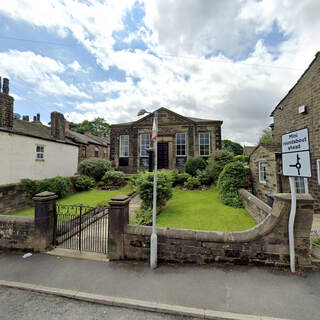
45,218
118,219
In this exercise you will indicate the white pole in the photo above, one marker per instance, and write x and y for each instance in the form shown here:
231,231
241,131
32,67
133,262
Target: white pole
291,224
154,240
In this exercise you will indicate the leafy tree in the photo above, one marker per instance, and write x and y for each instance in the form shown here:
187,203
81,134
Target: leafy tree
233,147
266,136
96,127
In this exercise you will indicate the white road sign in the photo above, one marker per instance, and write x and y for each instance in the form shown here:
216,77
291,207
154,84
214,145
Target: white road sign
296,154
296,164
295,141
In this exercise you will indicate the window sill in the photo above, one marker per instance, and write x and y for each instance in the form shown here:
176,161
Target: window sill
263,182
39,159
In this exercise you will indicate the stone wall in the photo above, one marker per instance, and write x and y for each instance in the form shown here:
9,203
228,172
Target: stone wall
26,233
17,233
267,243
271,186
287,118
12,198
256,207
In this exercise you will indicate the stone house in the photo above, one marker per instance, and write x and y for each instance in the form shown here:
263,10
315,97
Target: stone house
31,149
179,137
300,108
90,145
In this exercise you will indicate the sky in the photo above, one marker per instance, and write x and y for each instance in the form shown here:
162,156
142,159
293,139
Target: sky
222,60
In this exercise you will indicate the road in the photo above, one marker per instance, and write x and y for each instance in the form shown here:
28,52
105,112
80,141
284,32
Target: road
27,305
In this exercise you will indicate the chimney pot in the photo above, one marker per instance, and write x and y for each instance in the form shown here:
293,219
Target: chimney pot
5,87
34,118
38,116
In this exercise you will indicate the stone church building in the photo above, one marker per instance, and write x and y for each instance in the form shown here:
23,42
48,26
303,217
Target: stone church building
179,137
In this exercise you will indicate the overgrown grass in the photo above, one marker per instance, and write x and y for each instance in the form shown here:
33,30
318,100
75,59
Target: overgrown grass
90,198
203,210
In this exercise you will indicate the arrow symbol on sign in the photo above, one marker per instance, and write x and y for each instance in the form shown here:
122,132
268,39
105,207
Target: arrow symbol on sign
297,165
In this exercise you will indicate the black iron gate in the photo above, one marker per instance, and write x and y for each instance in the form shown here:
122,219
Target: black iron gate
80,227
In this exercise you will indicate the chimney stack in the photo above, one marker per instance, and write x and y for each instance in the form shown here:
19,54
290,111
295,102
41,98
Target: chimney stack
6,106
58,126
5,88
25,118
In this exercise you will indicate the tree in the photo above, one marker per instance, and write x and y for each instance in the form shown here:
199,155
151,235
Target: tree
97,126
233,147
266,136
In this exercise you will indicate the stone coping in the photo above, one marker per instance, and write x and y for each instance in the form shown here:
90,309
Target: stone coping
15,219
261,229
256,201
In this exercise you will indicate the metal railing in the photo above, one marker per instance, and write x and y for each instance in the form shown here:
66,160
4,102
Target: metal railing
81,227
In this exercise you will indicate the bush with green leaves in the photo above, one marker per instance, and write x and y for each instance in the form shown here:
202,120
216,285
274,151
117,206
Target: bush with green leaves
58,185
193,164
230,181
217,162
84,183
204,177
143,216
242,158
192,183
95,168
144,187
182,178
114,178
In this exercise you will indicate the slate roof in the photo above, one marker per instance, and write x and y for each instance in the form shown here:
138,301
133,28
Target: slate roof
35,130
41,131
247,150
272,147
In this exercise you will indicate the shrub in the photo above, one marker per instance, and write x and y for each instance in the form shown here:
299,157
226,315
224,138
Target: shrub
230,180
316,240
182,178
217,162
84,183
58,185
113,178
242,158
143,216
193,164
203,176
94,168
144,187
172,175
192,183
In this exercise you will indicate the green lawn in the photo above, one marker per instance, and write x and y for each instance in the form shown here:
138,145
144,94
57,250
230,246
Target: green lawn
203,210
90,198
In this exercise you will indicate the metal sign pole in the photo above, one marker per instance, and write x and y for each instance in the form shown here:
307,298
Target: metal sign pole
291,224
154,239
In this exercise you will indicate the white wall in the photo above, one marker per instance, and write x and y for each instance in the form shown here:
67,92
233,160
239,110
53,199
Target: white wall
18,159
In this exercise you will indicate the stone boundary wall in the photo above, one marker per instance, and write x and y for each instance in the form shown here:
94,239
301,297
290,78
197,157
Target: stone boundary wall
12,198
17,232
26,233
267,243
256,207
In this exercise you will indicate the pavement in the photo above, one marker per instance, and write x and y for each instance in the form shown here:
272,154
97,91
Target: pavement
242,290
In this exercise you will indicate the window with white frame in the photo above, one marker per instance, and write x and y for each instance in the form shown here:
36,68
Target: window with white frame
124,146
144,144
96,152
262,172
181,144
318,170
39,152
300,184
204,144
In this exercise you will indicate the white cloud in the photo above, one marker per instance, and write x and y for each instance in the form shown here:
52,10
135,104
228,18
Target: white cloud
240,92
75,66
41,72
